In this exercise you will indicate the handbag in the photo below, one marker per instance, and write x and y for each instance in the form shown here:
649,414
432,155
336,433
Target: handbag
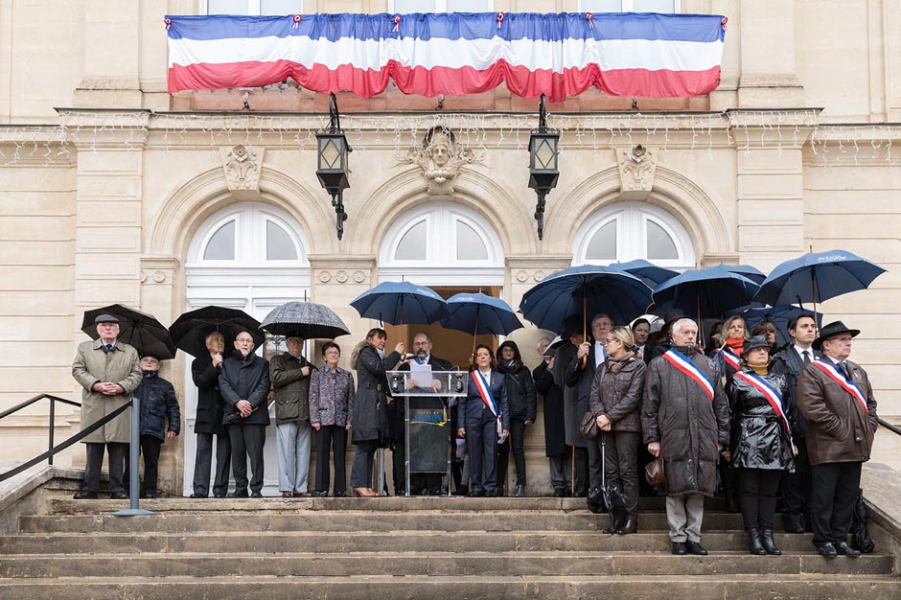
588,428
653,471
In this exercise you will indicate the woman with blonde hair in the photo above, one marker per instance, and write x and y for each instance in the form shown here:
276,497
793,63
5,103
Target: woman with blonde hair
728,356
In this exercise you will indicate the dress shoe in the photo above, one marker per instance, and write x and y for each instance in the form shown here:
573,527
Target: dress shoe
256,494
559,493
755,545
520,491
769,544
85,495
340,494
845,550
214,496
695,548
303,495
476,494
827,550
365,493
630,526
679,549
287,495
149,495
238,494
200,496
321,494
119,496
793,523
580,493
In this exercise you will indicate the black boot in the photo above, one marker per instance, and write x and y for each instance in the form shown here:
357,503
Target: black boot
520,491
766,538
630,526
754,543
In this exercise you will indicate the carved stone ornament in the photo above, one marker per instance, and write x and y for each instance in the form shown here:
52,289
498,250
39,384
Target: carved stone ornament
242,166
637,169
440,157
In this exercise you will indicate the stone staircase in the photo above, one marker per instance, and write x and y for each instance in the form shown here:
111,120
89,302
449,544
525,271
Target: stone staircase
405,548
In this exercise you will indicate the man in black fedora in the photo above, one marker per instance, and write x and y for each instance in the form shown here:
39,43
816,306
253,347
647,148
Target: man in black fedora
836,399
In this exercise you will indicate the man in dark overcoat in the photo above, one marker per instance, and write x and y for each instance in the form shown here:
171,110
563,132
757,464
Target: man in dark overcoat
208,422
555,448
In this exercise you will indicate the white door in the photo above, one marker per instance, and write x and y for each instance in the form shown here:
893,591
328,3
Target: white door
251,257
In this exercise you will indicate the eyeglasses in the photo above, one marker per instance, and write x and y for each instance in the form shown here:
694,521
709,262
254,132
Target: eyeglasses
421,344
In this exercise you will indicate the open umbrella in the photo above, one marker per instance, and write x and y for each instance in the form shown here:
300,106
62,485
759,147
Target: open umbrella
480,314
752,273
402,303
304,320
647,271
779,316
585,290
136,328
709,292
816,277
190,329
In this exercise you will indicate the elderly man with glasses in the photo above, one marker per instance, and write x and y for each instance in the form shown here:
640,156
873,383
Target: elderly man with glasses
244,385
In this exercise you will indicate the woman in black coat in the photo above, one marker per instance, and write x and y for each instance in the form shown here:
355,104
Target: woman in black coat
555,447
615,402
761,444
370,407
523,408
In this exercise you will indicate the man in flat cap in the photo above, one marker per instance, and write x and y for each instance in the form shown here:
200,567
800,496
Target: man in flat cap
109,371
836,399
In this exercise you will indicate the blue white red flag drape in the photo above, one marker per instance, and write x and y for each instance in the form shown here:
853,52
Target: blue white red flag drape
628,54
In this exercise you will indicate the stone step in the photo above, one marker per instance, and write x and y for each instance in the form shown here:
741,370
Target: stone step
273,542
357,520
68,506
445,564
707,587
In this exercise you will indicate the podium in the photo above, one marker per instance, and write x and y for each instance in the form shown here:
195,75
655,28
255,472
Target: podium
428,429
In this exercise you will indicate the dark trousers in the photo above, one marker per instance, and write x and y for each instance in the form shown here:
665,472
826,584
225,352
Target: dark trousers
481,443
594,466
203,464
833,495
325,438
796,486
621,464
247,442
560,469
364,459
150,449
581,480
94,462
517,440
759,488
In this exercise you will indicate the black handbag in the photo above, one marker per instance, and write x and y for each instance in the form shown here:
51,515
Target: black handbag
588,428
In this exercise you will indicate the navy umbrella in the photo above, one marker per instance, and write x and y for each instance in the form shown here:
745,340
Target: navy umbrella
136,328
779,316
709,292
816,277
752,273
401,303
190,329
647,271
585,290
480,314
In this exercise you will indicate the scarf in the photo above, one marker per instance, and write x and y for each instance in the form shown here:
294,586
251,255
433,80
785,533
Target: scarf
759,369
736,345
615,365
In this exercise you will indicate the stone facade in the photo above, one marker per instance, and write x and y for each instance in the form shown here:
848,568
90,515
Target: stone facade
105,185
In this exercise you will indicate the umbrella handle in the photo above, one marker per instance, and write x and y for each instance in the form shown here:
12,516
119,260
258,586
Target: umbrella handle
584,326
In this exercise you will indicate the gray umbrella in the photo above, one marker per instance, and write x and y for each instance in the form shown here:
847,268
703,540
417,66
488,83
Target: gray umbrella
304,320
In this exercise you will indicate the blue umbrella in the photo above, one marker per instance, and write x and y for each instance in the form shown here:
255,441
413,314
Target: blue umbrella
401,303
779,316
709,292
816,277
645,270
585,290
752,273
480,314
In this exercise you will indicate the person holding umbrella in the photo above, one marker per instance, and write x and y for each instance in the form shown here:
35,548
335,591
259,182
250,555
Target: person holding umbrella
615,400
370,407
836,399
557,451
523,410
761,445
290,376
483,420
109,371
208,423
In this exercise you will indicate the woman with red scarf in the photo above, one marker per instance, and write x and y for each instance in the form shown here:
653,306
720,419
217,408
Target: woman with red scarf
727,359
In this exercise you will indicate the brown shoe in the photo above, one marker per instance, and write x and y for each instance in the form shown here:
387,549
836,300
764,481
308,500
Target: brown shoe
365,492
302,494
287,495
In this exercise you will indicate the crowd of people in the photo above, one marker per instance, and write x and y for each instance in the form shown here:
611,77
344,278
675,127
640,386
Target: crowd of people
746,419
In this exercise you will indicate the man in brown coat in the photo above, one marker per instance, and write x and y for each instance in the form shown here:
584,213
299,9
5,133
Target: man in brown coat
836,399
109,371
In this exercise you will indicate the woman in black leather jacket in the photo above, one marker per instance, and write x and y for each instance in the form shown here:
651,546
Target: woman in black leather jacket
761,441
523,408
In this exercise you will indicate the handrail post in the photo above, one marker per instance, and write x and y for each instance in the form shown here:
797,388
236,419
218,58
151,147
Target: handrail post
52,419
133,451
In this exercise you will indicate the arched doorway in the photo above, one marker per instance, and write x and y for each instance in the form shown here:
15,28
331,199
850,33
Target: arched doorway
253,257
452,249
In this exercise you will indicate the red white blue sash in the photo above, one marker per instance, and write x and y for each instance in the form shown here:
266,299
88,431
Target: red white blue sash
730,358
838,377
771,394
682,362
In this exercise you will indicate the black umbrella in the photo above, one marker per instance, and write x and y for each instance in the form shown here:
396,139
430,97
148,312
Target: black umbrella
190,330
136,328
304,320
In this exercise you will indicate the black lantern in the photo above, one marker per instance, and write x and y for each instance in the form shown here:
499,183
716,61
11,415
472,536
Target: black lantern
331,166
543,158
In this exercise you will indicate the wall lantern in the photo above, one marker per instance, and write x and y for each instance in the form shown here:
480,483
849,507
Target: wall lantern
543,159
331,165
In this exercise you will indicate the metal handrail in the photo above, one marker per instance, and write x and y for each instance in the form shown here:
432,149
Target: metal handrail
53,400
888,426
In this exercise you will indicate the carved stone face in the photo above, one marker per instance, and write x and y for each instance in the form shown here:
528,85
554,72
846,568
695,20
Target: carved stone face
440,153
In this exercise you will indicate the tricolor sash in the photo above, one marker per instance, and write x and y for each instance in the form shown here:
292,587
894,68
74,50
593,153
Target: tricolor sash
838,377
487,397
682,362
772,395
730,358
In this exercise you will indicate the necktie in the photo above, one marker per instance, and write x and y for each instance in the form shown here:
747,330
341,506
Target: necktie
845,370
806,357
109,347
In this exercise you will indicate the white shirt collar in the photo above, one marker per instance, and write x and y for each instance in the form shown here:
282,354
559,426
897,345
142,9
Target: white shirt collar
801,350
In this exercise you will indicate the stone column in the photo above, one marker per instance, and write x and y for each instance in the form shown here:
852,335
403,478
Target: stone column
111,67
768,75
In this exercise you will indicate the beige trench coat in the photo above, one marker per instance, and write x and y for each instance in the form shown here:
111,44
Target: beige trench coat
93,365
